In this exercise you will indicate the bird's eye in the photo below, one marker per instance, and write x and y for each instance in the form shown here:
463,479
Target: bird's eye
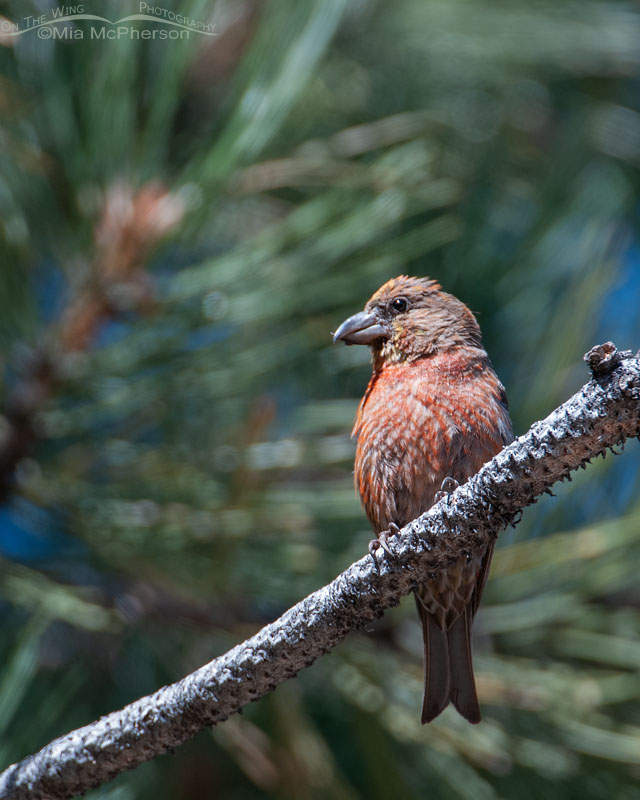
399,305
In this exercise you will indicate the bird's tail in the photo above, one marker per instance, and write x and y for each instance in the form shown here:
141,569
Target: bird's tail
448,670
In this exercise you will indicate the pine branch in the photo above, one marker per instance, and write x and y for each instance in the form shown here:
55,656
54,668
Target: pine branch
131,224
605,412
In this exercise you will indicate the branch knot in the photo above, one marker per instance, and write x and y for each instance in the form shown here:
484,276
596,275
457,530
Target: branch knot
603,359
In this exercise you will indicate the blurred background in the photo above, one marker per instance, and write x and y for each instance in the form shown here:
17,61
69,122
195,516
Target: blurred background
182,225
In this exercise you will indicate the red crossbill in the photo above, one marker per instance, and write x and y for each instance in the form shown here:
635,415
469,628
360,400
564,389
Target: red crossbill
434,410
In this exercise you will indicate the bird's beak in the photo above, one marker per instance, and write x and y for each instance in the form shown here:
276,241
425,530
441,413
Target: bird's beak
362,328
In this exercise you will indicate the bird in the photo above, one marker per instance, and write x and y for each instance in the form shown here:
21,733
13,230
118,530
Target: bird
433,413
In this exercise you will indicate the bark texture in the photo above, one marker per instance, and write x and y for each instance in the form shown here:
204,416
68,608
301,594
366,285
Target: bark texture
604,413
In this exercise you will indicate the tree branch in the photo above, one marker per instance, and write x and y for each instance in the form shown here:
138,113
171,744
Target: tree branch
605,412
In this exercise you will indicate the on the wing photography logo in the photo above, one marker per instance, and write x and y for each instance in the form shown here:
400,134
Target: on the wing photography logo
74,22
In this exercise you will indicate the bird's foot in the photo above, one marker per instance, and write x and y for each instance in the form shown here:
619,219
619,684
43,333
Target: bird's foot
382,540
448,485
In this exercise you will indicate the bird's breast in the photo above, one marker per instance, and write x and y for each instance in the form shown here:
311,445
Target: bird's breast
419,423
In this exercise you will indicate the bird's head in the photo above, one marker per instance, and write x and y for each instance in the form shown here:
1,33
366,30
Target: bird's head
410,318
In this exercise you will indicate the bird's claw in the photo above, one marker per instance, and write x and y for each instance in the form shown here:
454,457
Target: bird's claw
448,486
382,541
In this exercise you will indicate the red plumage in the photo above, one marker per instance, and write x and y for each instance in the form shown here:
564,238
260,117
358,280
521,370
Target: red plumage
434,409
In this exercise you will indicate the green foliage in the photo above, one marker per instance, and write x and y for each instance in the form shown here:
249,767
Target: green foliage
194,462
